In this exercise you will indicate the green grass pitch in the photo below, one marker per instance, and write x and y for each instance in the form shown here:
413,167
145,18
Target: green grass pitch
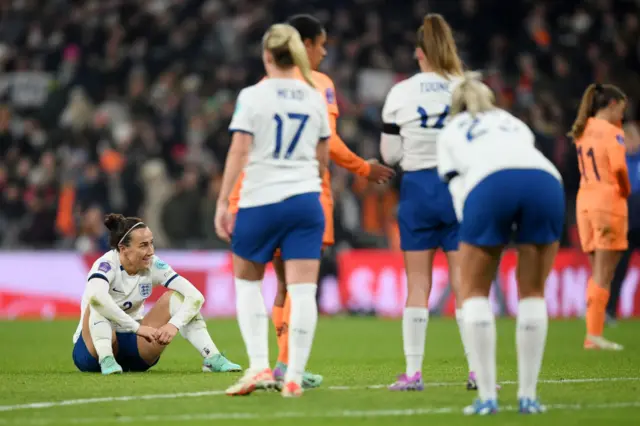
356,356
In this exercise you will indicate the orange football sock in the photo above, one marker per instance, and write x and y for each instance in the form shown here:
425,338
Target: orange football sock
277,318
283,336
597,298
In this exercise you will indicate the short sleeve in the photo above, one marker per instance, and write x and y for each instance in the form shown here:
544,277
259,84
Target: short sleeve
325,125
241,120
162,273
329,95
446,166
616,151
389,112
103,269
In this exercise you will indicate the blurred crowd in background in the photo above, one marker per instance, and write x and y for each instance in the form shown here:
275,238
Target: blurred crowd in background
123,105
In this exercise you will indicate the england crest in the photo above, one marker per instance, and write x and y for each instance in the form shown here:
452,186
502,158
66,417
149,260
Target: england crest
145,290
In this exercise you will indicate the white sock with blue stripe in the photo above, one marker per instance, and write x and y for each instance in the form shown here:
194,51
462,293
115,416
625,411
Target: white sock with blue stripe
254,322
480,333
302,328
101,333
195,332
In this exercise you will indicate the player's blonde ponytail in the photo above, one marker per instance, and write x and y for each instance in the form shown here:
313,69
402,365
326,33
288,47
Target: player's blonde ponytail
472,96
285,44
435,38
595,97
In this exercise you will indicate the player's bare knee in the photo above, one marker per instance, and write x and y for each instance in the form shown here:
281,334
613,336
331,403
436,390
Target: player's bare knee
302,271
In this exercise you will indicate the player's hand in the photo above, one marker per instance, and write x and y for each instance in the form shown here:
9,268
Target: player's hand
224,221
379,173
166,333
148,333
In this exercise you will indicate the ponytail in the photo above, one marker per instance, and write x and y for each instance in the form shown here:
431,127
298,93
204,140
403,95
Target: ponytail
299,56
472,96
435,38
287,48
584,112
595,97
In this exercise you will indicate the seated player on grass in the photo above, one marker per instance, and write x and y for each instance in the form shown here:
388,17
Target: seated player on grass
114,335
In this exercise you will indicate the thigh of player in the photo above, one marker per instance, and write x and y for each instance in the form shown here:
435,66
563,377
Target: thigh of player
302,242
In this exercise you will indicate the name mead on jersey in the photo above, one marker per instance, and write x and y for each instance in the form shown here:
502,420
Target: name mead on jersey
291,94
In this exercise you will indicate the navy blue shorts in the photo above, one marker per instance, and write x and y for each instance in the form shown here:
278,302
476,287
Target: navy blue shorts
426,217
127,356
527,203
294,225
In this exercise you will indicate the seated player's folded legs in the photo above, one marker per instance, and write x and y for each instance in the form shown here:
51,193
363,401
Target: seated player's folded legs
85,355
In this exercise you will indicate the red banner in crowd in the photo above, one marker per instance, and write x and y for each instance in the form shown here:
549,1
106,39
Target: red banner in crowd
50,284
375,281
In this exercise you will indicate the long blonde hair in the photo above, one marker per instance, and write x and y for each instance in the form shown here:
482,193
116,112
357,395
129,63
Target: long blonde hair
435,38
472,96
285,45
595,98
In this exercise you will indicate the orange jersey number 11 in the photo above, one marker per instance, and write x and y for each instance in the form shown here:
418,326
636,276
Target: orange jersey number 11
583,170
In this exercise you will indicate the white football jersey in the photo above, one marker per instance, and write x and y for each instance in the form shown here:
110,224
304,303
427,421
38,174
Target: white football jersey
417,109
472,149
287,118
128,291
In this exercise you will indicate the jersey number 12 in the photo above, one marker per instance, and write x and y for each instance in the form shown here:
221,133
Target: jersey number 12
302,121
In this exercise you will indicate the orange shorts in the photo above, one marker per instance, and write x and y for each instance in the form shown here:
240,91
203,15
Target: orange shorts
601,230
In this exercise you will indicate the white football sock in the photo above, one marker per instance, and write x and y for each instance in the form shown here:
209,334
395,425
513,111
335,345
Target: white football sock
195,331
101,334
480,333
254,323
414,334
465,345
531,335
302,328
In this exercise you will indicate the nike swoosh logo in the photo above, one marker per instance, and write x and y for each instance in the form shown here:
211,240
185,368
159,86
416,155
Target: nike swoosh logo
115,290
98,322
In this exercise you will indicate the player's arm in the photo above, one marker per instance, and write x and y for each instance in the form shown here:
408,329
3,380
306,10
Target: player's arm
242,129
322,149
390,139
617,160
100,300
164,275
340,153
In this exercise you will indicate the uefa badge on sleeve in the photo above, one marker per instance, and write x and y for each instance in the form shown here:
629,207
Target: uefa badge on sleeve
145,290
104,267
161,265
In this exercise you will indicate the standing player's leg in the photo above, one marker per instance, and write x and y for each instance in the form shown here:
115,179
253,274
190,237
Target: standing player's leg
534,265
539,229
419,220
301,251
616,284
610,242
280,316
95,348
477,274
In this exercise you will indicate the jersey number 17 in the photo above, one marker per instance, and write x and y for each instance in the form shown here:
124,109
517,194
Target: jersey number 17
302,121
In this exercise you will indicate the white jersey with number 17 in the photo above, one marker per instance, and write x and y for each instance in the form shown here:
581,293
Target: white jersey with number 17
287,118
417,109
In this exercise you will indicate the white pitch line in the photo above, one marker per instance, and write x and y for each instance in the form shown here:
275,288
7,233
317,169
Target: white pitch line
83,401
299,414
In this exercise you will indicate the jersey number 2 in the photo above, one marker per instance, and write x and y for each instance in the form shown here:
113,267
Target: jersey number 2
302,119
583,171
424,116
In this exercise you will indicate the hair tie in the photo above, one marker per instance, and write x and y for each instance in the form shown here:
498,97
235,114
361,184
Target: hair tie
130,229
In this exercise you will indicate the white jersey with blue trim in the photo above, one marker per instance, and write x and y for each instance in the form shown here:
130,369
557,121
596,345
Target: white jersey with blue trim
128,291
287,118
470,149
413,115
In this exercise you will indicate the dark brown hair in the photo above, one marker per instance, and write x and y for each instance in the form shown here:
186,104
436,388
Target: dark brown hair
595,98
435,38
118,226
